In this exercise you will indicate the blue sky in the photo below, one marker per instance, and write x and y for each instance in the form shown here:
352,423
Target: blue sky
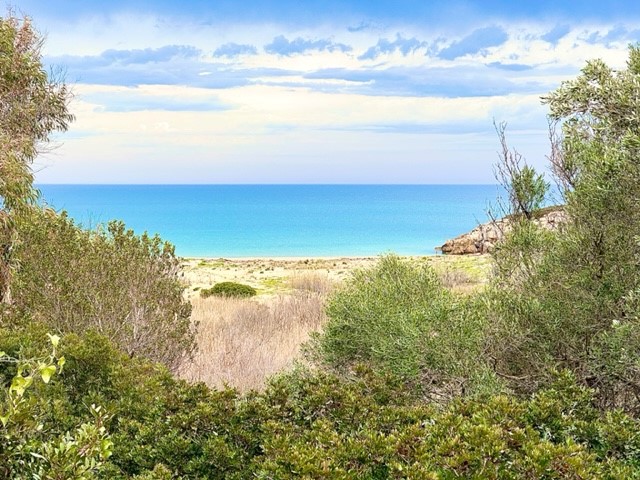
327,91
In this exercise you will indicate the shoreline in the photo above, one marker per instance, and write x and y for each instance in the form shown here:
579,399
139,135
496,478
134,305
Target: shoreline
297,258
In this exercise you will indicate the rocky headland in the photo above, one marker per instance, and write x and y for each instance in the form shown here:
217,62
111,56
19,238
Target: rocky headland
484,237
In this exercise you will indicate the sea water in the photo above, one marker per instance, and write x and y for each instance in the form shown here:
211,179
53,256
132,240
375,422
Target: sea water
283,220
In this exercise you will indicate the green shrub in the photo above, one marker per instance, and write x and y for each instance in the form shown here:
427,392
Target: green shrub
319,426
314,424
229,289
33,443
397,317
125,286
155,421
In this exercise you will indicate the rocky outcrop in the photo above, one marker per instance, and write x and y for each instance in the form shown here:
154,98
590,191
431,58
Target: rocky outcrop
484,237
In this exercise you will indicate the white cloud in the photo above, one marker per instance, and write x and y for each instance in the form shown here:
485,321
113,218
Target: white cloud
275,133
321,113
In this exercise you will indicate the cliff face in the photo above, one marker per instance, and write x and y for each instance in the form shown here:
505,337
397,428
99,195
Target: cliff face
484,237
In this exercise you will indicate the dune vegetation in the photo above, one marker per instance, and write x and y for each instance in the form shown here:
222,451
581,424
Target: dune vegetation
533,375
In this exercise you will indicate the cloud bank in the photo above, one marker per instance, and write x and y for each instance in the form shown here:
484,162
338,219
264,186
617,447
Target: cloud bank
185,98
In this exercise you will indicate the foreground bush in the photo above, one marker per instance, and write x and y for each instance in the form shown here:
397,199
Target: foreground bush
310,424
32,447
556,434
124,286
229,289
398,318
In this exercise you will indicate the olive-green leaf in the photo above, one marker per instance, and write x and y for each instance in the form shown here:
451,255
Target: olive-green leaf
46,372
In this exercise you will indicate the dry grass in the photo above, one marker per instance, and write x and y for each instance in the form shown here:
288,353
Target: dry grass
455,279
241,342
313,282
464,274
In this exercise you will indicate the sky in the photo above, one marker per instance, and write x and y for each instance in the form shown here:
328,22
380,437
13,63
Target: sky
205,91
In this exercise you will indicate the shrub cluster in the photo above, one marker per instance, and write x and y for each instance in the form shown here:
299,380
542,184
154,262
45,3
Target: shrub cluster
398,318
125,286
310,424
569,299
229,289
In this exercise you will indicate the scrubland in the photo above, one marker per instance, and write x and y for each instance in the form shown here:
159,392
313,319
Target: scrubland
241,342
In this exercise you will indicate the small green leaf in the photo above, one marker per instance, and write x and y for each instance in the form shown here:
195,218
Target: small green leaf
55,339
61,362
46,372
19,384
4,419
3,354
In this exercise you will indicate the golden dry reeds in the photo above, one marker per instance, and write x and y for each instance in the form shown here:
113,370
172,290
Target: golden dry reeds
310,281
241,342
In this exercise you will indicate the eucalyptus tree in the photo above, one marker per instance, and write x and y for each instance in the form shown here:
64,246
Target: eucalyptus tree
33,105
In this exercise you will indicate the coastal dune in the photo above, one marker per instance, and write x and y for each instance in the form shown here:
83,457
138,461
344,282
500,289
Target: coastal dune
241,342
267,275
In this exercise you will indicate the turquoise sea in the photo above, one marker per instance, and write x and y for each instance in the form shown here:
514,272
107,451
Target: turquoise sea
283,220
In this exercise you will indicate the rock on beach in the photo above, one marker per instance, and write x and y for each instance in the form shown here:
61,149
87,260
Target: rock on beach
484,237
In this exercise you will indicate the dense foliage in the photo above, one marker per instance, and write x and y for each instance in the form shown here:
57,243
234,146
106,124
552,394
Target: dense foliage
126,287
29,449
570,300
310,424
398,318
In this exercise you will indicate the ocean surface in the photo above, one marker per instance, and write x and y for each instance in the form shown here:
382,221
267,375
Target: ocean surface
283,220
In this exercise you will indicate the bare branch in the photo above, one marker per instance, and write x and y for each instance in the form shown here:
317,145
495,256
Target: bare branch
525,188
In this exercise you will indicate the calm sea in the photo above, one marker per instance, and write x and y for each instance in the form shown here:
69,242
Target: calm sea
283,220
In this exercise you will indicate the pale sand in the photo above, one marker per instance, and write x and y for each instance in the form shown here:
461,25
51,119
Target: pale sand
274,275
267,275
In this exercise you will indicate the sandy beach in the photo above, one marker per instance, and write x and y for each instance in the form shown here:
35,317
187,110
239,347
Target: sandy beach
274,275
267,275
